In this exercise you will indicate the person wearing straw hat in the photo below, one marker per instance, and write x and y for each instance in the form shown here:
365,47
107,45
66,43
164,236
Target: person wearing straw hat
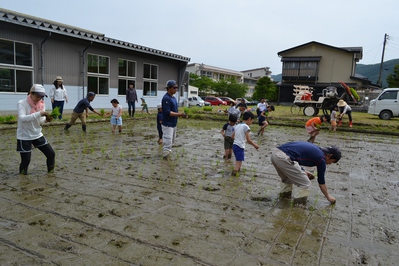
344,108
58,95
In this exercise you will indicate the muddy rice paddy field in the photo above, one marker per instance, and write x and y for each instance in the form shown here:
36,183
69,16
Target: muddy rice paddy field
114,201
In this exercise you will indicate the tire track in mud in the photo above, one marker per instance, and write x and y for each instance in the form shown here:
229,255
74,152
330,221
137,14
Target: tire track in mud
148,187
30,253
90,225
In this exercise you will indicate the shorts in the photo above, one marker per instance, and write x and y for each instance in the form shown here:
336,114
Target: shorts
238,153
261,119
228,143
309,129
26,145
115,121
334,123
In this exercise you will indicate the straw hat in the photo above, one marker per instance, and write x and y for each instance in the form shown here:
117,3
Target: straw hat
341,103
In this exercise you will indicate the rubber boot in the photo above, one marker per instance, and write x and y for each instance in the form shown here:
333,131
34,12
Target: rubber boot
130,113
350,123
67,126
84,128
301,196
286,191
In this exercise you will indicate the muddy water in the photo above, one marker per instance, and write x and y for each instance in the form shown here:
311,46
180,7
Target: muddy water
113,201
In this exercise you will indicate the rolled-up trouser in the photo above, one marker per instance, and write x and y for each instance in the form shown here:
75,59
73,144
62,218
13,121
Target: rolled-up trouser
168,138
289,171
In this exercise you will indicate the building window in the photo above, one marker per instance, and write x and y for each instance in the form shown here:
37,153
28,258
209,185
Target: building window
150,80
16,70
98,74
127,75
206,73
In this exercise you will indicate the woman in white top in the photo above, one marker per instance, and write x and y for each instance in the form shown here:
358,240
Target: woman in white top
31,114
344,108
58,95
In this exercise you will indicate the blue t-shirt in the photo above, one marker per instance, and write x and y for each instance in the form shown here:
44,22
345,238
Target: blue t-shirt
82,105
307,154
169,103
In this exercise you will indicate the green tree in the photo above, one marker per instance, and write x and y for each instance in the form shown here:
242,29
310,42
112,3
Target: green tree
393,78
230,88
265,88
224,87
236,89
203,83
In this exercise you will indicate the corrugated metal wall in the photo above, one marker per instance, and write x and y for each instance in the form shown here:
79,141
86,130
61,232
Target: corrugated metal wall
62,56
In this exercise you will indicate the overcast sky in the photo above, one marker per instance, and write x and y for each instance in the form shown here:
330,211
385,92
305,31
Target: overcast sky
232,34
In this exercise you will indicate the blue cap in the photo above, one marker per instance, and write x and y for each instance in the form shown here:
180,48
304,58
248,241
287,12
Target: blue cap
170,83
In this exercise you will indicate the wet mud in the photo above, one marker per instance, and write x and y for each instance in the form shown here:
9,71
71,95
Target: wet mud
113,200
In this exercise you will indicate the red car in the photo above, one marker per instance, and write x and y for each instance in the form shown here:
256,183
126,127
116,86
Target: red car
228,100
214,100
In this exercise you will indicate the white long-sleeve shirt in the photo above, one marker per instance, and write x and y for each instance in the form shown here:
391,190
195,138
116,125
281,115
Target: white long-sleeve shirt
29,125
58,94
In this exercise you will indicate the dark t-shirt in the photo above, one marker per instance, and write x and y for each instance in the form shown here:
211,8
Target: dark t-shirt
307,154
82,105
169,103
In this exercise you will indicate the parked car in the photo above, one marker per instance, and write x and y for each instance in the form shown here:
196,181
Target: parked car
386,105
207,103
238,101
214,100
228,100
196,101
253,102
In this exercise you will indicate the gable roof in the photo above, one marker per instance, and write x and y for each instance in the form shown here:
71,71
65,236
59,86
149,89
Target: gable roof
24,20
355,50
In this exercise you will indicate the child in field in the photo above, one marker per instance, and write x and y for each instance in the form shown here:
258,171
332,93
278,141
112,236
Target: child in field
145,106
313,126
333,118
263,119
116,115
227,131
159,123
241,136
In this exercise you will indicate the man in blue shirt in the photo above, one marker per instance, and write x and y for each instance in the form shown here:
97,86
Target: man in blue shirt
170,114
82,106
288,160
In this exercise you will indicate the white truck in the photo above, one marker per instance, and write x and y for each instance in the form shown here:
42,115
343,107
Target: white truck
386,105
193,98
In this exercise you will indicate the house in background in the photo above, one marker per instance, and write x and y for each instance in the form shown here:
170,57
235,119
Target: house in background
248,77
319,65
251,76
36,50
257,73
215,73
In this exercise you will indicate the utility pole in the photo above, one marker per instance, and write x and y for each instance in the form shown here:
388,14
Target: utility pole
386,37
